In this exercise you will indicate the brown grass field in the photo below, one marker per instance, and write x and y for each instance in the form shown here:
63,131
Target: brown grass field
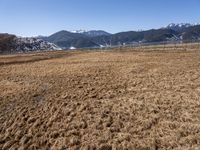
100,100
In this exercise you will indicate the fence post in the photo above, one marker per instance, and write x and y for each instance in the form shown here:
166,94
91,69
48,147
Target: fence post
175,46
164,45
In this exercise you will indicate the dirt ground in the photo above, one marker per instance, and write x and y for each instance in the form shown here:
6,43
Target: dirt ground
103,100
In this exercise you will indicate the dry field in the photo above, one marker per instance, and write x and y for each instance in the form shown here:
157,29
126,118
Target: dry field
102,100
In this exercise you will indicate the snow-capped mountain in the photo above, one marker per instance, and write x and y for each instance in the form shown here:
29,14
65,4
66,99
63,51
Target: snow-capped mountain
180,26
33,44
171,25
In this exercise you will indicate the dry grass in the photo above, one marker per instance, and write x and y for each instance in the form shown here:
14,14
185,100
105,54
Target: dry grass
101,100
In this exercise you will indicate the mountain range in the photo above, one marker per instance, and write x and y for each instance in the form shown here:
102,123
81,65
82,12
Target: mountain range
98,38
90,39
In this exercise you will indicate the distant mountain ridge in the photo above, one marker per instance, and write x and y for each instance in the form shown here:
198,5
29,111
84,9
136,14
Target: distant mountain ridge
98,38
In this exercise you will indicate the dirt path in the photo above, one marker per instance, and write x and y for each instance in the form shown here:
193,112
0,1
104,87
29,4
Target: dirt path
102,100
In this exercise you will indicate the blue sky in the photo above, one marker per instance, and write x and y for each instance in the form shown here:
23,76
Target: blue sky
44,17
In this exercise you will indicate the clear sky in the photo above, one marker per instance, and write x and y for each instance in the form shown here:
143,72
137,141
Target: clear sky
44,17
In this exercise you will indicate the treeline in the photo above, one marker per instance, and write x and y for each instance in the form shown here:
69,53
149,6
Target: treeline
7,44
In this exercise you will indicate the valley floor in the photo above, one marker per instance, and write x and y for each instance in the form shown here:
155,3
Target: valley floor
100,100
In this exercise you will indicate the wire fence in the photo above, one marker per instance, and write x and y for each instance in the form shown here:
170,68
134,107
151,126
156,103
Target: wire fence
164,45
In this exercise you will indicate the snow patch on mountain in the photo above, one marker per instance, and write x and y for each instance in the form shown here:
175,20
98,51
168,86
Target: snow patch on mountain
179,25
91,33
79,31
72,48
